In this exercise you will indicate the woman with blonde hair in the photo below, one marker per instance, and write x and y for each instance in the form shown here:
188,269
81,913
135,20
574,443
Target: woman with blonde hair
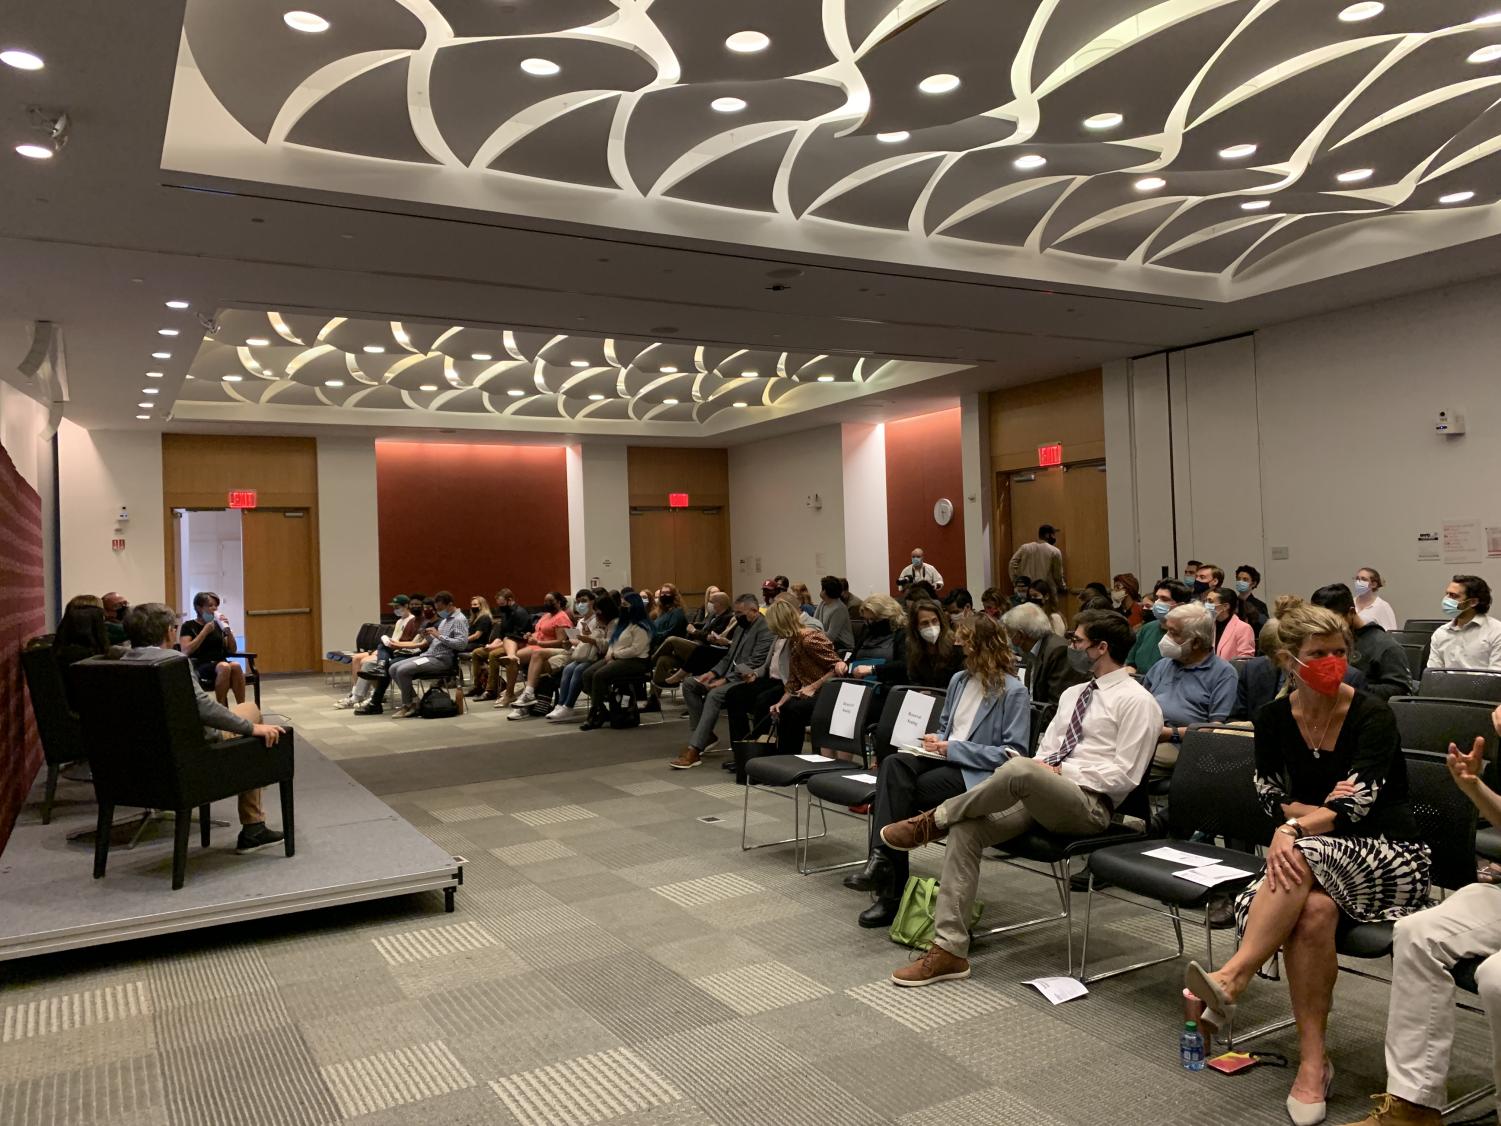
987,718
811,662
884,641
1330,772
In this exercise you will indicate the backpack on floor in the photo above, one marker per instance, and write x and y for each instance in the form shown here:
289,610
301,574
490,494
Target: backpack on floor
621,707
437,703
913,925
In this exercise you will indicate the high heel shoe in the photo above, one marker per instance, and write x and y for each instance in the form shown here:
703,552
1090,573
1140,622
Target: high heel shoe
1311,1114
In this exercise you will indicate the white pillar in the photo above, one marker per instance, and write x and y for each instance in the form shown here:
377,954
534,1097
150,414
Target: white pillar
348,539
974,442
599,515
865,554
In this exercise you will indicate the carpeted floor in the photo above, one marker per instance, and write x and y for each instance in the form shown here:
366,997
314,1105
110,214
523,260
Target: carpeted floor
616,957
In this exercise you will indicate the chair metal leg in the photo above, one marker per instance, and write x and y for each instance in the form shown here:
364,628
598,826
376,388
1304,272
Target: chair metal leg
808,838
1172,913
796,798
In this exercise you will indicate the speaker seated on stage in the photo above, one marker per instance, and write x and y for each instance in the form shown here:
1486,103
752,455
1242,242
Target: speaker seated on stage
151,629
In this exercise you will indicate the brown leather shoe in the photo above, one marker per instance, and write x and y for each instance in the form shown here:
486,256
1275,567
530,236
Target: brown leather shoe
687,760
1393,1111
934,966
914,832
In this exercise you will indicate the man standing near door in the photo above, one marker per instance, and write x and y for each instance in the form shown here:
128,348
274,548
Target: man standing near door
1040,559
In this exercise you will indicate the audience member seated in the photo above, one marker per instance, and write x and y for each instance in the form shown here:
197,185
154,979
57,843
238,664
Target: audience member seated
1092,756
678,658
1049,668
1376,654
80,635
1125,596
834,615
1208,577
624,659
1370,605
804,598
851,603
705,695
810,664
446,641
596,620
994,602
207,641
1262,678
649,601
885,638
480,622
510,624
1252,609
356,660
1329,766
1234,637
1470,639
1146,650
1426,947
549,636
987,718
1192,685
116,607
405,636
1044,594
151,630
748,704
1191,572
917,592
697,618
930,656
769,592
960,605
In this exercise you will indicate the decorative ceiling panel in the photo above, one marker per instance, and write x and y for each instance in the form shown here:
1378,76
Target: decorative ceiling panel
925,120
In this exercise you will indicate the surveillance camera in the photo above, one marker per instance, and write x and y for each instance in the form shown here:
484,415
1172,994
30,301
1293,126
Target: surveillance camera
124,514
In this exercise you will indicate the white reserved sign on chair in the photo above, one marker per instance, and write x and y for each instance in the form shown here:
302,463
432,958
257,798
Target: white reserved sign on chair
912,721
846,708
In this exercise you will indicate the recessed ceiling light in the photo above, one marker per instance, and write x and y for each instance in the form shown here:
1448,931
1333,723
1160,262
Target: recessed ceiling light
36,152
481,356
1237,152
1486,54
668,370
1150,183
1355,175
727,105
333,383
826,379
939,84
515,392
166,332
257,341
749,374
669,402
305,21
596,397
1456,197
542,68
233,378
143,416
21,60
427,387
1103,121
1494,17
151,390
1368,10
748,42
1256,205
738,404
579,363
145,406
153,375
1029,162
895,138
373,349
161,355
189,376
177,304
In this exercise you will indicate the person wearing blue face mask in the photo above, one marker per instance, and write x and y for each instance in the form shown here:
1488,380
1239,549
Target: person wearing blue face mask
919,571
1471,638
207,641
1252,609
448,637
1370,605
1144,651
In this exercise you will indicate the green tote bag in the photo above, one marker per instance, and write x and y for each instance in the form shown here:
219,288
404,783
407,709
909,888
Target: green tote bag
913,925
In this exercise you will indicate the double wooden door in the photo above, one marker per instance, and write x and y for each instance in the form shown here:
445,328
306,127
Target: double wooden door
688,547
1072,499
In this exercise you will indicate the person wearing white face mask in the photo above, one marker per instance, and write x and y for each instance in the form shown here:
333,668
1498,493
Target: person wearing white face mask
1193,685
1144,651
932,654
1368,604
1471,639
919,571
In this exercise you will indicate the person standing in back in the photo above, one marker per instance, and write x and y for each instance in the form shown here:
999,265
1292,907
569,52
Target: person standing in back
1040,559
1370,605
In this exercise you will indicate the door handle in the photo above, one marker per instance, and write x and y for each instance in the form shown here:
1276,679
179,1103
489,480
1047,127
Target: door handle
263,613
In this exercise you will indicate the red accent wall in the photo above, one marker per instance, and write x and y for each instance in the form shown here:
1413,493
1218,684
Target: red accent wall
472,519
21,618
923,465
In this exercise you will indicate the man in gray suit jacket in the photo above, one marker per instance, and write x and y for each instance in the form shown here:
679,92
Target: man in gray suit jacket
704,695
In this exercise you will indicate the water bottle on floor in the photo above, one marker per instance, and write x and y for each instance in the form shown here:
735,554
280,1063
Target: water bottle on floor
1191,1047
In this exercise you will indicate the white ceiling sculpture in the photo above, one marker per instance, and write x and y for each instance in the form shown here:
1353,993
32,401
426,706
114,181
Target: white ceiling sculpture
303,360
1198,136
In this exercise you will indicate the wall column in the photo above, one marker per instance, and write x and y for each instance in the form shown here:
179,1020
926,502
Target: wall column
348,539
865,548
599,515
979,505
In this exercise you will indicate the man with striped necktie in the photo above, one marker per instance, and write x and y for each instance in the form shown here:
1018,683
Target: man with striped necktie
1093,754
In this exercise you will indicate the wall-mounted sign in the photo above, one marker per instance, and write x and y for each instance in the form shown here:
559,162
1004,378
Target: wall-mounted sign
117,544
1050,455
242,498
677,500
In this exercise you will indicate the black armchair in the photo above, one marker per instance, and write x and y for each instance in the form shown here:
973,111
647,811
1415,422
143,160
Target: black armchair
148,749
56,721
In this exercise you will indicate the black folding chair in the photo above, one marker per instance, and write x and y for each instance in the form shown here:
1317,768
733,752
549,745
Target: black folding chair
778,773
1430,723
1462,684
841,791
1423,625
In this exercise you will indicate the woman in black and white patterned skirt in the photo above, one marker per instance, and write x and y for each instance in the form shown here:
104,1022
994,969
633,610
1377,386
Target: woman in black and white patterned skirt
1329,768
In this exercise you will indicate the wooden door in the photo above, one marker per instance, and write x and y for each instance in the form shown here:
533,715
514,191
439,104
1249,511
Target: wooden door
688,547
1072,500
281,588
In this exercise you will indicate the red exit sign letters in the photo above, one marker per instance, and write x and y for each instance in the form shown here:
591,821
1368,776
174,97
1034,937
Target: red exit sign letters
242,498
677,500
1050,455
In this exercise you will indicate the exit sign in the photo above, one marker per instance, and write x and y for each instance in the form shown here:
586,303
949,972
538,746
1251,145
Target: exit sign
242,498
1050,455
677,500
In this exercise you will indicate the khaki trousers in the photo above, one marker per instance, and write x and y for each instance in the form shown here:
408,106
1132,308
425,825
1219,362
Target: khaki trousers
1022,793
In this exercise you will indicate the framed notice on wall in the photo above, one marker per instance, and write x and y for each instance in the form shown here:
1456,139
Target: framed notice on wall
1461,541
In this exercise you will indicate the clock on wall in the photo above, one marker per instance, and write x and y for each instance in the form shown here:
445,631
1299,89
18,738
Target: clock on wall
943,511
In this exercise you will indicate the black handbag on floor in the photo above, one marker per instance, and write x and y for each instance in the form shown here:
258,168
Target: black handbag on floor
755,746
437,703
621,707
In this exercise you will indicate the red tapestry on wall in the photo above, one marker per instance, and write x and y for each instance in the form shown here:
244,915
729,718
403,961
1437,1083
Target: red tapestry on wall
472,519
923,466
21,617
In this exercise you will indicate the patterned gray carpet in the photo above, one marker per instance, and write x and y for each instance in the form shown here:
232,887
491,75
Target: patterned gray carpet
616,959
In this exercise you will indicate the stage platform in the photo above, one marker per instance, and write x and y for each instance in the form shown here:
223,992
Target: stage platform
351,846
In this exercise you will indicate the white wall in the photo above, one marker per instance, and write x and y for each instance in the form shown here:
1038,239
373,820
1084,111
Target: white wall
599,515
98,472
978,507
348,539
866,562
213,558
774,528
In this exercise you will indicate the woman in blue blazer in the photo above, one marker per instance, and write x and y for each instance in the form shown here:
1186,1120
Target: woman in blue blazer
987,718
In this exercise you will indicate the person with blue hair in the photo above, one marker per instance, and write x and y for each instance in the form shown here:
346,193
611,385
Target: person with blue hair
624,659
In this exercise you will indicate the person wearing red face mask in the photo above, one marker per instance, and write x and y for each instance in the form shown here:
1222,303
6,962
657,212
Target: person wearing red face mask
1329,769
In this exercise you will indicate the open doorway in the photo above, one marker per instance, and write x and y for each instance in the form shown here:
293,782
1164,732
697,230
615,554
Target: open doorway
211,556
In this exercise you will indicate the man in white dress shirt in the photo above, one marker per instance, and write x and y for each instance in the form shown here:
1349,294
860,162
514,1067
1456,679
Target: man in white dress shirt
1471,639
1093,754
919,571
